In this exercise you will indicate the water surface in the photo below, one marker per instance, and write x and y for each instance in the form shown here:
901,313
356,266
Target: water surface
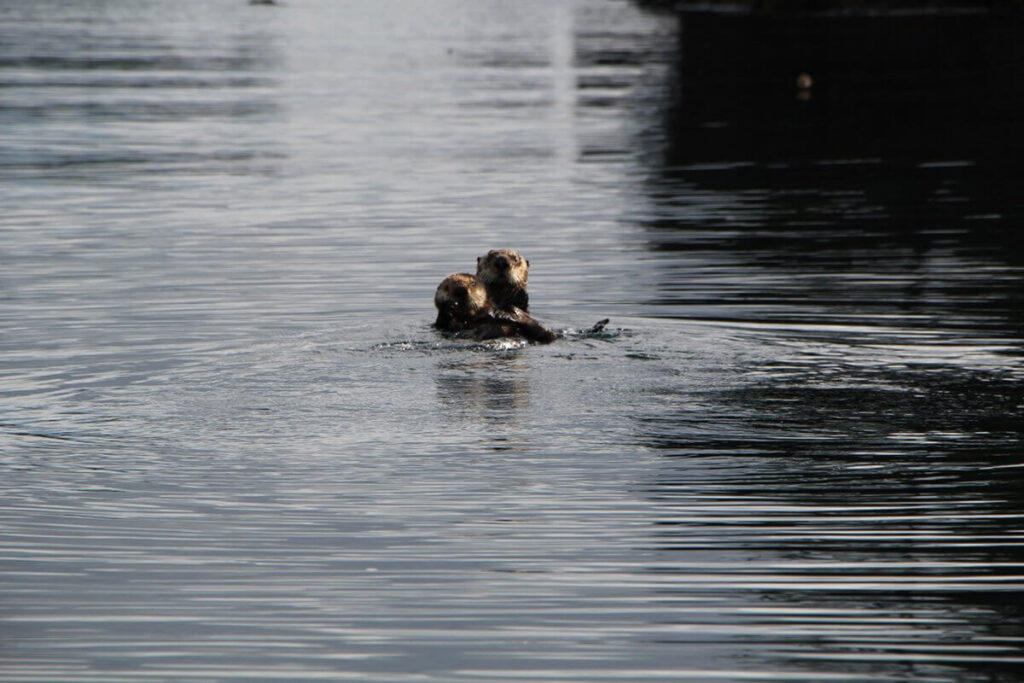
233,448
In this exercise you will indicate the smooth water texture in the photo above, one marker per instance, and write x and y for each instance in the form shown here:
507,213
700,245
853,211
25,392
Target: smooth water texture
232,447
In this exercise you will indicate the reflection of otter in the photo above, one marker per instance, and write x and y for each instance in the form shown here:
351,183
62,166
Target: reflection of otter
464,309
504,272
494,389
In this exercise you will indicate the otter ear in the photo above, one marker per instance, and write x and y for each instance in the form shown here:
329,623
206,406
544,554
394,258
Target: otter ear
527,262
478,260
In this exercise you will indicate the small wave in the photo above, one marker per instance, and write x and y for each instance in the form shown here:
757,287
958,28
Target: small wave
503,344
423,346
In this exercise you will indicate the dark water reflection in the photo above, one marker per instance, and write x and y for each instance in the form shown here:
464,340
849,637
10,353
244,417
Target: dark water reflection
232,448
874,219
882,194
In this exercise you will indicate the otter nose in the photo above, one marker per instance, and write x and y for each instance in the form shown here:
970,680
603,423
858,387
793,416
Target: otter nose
501,262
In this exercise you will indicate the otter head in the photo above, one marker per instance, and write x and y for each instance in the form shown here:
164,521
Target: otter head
503,267
459,299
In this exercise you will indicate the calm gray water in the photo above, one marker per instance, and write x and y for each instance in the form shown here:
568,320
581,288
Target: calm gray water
232,448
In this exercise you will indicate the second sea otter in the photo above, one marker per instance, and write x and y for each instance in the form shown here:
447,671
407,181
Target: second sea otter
504,273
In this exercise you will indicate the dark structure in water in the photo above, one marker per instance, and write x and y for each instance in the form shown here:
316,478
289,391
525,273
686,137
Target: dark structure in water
866,6
762,80
839,119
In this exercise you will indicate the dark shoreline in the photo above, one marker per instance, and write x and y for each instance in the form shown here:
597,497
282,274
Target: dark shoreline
835,7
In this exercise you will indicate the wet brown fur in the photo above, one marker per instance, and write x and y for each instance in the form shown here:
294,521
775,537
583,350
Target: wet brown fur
505,272
464,309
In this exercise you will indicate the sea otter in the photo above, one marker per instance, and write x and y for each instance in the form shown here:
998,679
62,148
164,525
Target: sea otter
464,309
504,272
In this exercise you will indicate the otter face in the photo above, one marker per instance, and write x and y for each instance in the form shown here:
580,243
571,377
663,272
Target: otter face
503,266
459,298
